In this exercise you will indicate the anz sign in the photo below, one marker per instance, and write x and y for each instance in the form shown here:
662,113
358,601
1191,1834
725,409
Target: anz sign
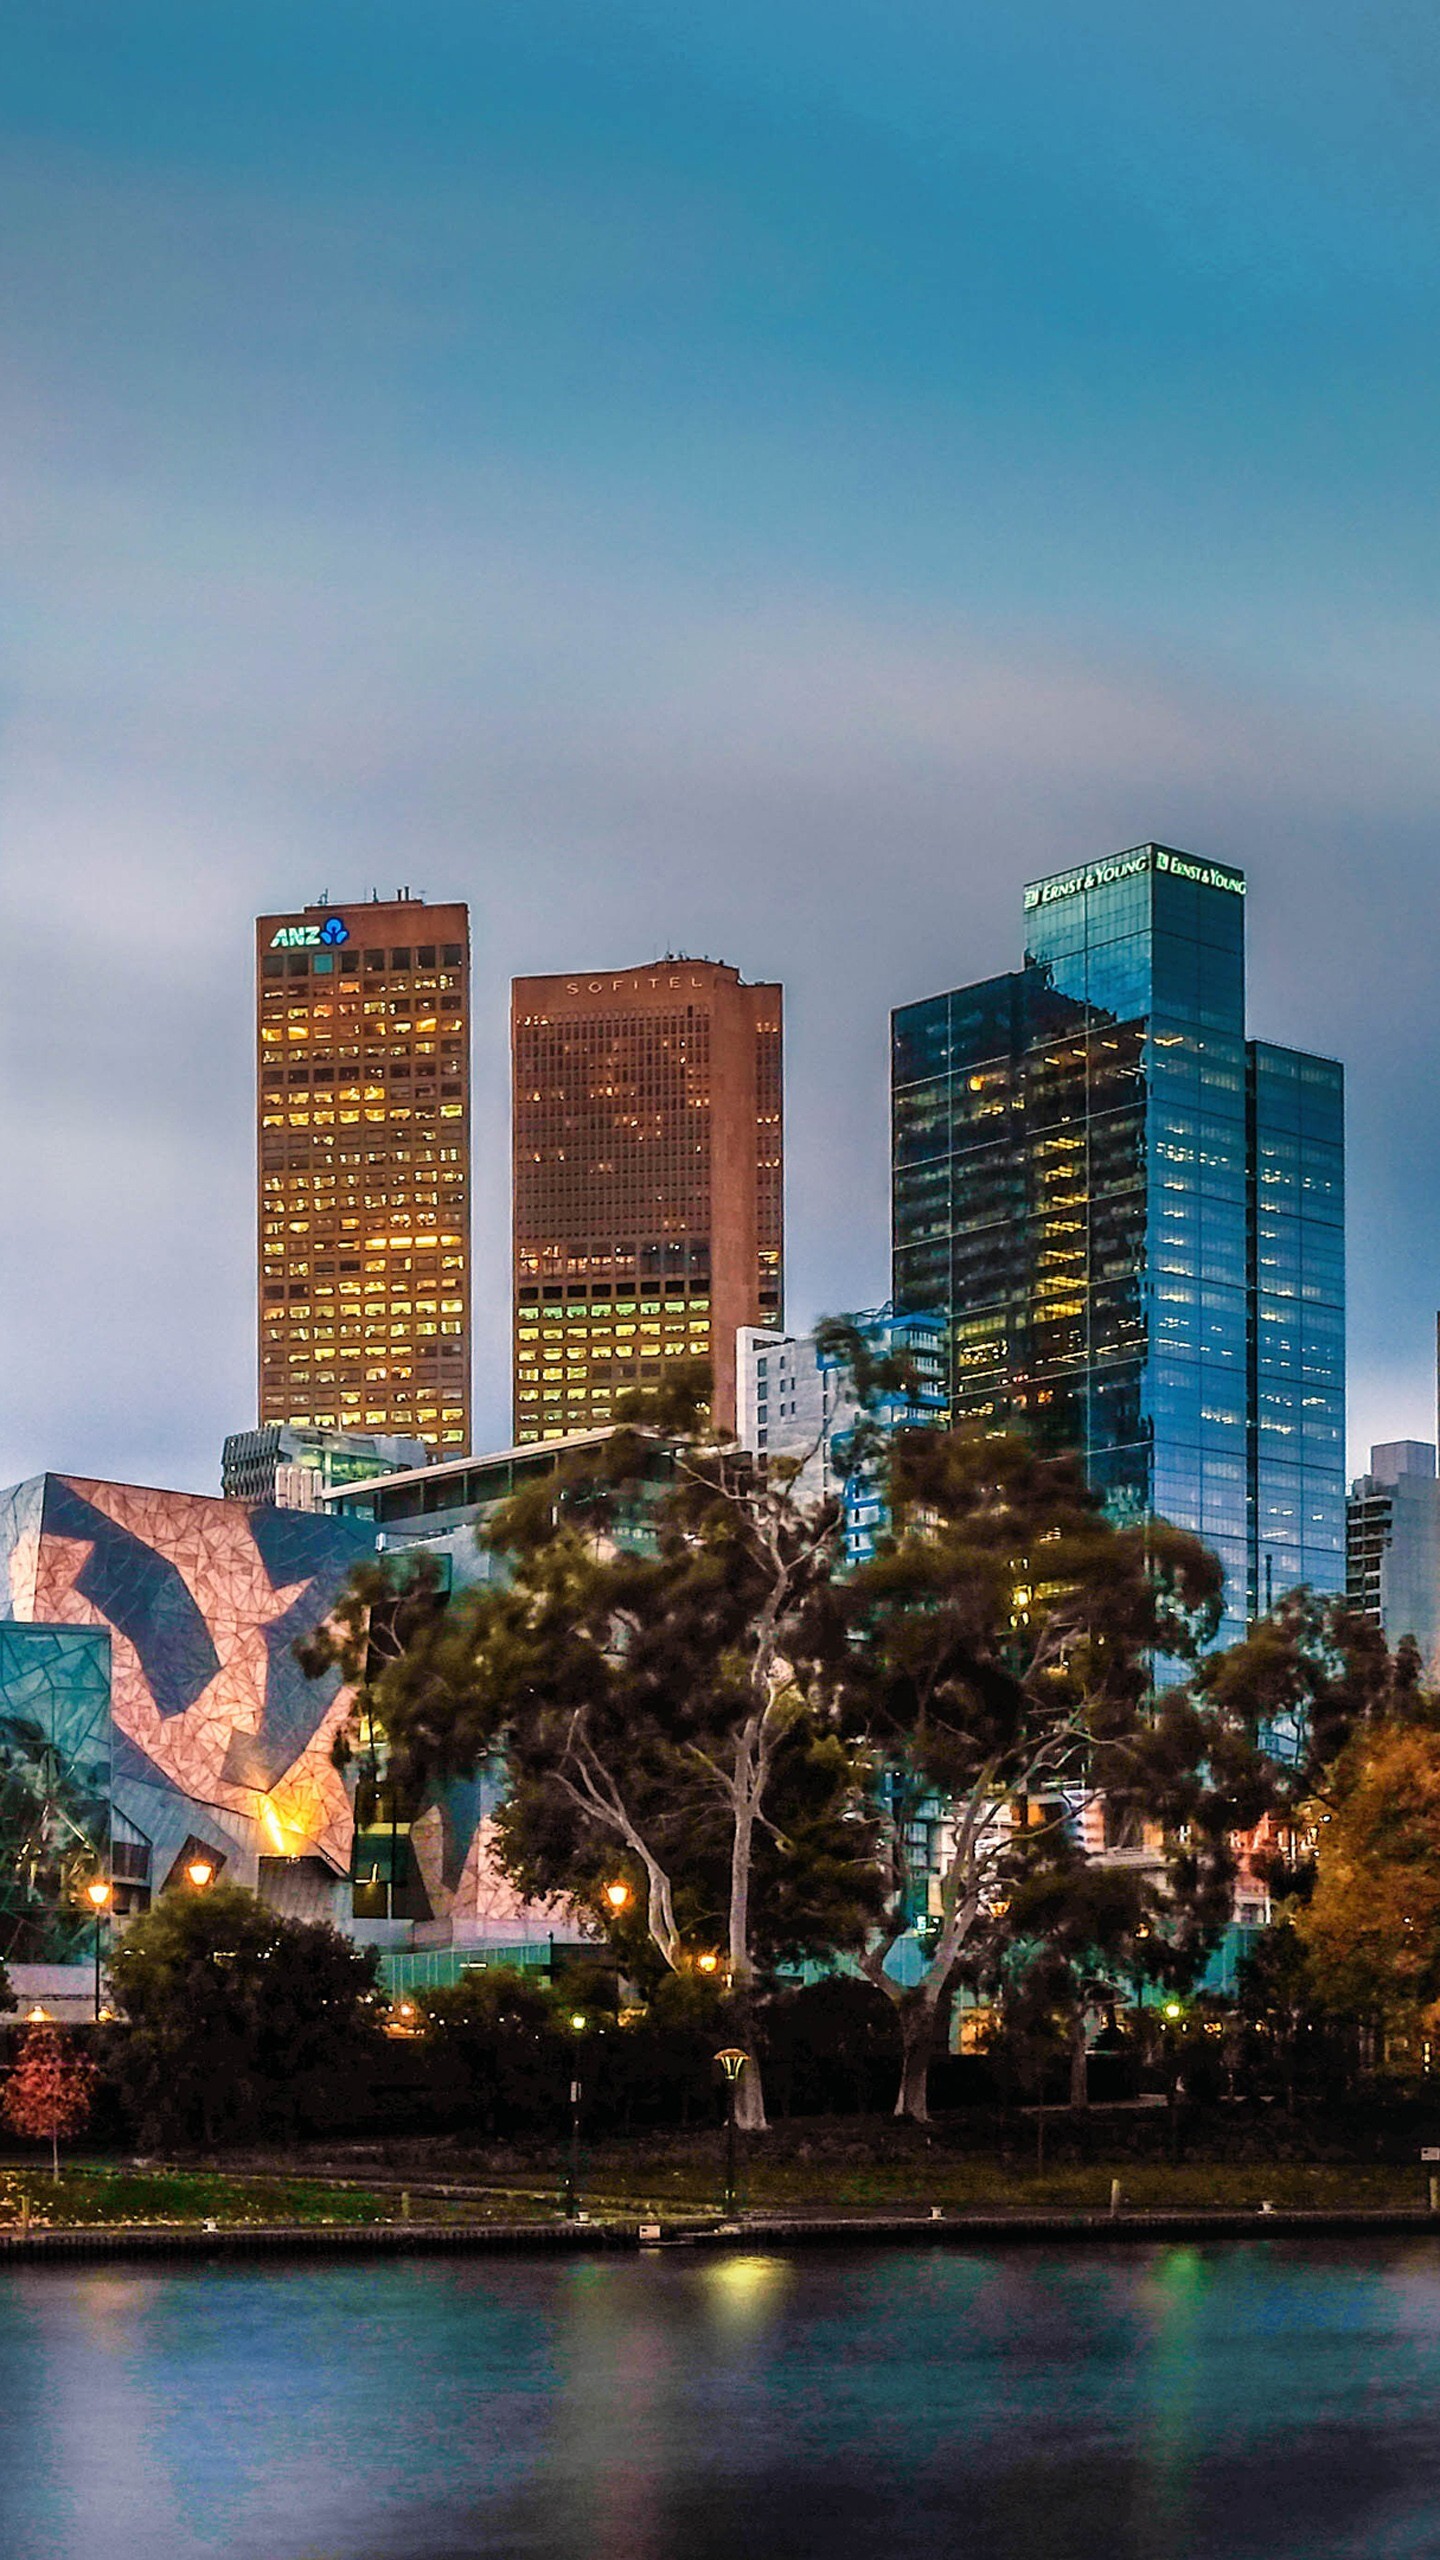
310,937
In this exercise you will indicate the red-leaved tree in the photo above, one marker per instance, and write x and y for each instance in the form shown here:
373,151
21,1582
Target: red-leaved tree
49,2091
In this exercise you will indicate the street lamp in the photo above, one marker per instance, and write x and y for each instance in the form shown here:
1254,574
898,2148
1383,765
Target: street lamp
707,1964
97,1894
571,2199
201,1871
732,2059
617,1895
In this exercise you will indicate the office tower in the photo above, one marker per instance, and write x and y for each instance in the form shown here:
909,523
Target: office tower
648,1183
364,1157
794,1400
1133,1216
1392,1545
295,1467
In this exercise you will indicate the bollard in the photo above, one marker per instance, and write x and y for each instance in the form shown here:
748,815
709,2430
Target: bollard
1114,2196
935,2209
1435,2195
404,2204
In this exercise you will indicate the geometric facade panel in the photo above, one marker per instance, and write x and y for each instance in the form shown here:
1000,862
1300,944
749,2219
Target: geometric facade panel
202,1602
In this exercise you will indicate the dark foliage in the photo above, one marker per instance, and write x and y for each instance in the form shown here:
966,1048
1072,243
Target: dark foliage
241,2022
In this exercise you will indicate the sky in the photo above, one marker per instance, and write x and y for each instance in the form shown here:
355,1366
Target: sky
685,475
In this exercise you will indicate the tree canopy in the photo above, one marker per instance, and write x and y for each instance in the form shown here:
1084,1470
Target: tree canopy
662,1666
235,2013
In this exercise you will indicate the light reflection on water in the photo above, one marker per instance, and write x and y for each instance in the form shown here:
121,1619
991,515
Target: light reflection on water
1267,2402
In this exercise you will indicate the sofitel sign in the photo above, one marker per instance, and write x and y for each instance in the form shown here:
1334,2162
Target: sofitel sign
310,937
1125,866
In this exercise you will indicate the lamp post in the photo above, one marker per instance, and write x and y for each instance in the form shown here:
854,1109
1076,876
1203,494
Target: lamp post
617,1895
572,2171
1172,2013
732,2059
97,1894
200,1872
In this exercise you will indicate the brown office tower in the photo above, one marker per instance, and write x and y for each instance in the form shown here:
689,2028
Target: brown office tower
649,1172
364,1159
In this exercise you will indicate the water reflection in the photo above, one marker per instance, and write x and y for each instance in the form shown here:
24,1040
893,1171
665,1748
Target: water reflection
1167,2405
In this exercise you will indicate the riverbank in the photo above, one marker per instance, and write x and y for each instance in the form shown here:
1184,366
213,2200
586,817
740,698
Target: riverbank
432,2198
748,2233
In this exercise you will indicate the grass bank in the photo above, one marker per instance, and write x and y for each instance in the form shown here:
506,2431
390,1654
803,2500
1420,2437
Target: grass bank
675,2179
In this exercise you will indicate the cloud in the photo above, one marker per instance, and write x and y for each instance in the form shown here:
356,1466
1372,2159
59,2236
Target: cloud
607,763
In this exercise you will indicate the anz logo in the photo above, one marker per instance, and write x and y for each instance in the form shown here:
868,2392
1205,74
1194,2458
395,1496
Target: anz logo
310,937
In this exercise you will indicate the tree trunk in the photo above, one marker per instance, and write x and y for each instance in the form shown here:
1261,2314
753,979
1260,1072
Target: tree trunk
917,2038
1079,2063
750,2087
55,2153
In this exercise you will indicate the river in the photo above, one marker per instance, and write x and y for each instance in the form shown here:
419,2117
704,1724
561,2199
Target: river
1265,2401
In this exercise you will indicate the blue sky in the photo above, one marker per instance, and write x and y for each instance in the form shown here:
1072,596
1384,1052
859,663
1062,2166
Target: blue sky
683,476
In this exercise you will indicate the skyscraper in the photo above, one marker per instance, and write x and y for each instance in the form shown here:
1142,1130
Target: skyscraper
1393,1545
363,1023
649,1168
1133,1216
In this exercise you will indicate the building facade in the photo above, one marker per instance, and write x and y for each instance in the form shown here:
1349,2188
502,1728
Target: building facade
152,1710
795,1401
363,1086
151,1705
1392,1546
1133,1216
296,1468
648,1183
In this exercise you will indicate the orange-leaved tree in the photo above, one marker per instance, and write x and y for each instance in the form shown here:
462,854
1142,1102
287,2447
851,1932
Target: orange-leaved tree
1372,1927
49,2091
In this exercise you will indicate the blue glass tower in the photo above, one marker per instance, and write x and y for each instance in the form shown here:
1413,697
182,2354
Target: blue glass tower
1133,1216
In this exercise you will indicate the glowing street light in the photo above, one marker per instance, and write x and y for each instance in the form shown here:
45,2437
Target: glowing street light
578,2023
97,1894
732,2059
707,1964
617,1895
201,1871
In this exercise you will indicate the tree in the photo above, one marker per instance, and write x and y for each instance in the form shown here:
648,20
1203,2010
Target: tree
499,2033
7,1992
1001,1663
49,2091
1278,2009
1075,1931
237,2015
1371,1930
1303,1681
662,1669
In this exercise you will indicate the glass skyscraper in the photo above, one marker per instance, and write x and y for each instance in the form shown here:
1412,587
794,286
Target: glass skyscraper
1133,1216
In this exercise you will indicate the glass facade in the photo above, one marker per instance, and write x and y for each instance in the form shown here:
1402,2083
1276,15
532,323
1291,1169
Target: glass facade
1133,1216
55,1787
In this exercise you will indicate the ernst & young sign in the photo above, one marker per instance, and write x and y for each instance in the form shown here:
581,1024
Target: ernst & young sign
1125,866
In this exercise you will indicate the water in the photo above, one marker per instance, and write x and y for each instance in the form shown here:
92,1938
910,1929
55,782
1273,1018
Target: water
1265,2402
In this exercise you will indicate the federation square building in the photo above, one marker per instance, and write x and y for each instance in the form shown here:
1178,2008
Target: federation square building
1132,1217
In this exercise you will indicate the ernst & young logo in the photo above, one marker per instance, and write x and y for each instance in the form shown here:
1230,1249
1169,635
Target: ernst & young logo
1125,866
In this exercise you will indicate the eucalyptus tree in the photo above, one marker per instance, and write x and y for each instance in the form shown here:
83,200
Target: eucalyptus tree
662,1663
